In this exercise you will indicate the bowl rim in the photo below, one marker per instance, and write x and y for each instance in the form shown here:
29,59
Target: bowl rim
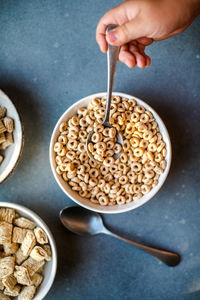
21,133
41,223
126,207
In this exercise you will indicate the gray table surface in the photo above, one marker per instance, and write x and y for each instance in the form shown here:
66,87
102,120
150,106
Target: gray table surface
48,60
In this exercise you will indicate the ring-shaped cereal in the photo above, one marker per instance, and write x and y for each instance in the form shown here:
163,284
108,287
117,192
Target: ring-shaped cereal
96,137
124,158
103,200
123,179
152,147
144,117
94,172
120,200
138,152
108,161
62,139
145,189
135,117
93,181
136,167
63,126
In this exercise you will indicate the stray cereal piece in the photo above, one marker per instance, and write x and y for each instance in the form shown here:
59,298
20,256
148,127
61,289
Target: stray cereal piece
36,279
27,293
22,275
7,214
41,236
10,248
4,297
19,234
5,232
2,112
9,282
13,293
24,223
1,158
28,243
7,265
9,124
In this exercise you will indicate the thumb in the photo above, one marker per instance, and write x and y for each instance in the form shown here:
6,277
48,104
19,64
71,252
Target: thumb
127,32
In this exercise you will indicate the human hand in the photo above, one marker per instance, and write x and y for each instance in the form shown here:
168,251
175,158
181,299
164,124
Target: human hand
140,23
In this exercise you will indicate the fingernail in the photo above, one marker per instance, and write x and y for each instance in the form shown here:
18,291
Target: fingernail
112,37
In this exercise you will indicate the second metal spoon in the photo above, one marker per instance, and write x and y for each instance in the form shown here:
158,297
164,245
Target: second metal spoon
84,222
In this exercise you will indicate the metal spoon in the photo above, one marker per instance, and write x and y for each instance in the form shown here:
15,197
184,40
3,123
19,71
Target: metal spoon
84,222
112,57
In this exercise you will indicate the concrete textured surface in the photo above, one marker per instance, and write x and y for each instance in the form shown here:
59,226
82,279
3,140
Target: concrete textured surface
48,60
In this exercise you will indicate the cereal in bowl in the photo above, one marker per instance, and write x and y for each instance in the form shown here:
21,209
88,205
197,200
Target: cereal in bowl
24,250
110,181
6,130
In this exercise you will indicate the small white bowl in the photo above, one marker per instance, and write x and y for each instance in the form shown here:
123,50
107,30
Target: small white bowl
50,266
85,202
13,153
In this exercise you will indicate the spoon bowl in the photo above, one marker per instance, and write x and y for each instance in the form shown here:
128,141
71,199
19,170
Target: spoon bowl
83,222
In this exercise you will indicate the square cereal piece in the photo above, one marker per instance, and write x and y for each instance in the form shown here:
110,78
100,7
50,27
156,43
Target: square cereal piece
41,236
38,253
47,248
32,265
7,265
5,232
2,137
7,214
24,223
13,293
8,142
22,275
36,279
9,282
28,242
9,124
2,127
18,234
20,257
10,248
27,293
2,112
4,297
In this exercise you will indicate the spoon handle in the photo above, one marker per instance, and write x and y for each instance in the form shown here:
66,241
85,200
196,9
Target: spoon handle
112,57
169,258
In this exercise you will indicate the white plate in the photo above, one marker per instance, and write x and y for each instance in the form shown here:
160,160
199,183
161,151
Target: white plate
51,266
13,152
85,202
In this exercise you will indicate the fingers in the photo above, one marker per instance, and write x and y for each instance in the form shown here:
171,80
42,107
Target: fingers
133,54
126,57
116,15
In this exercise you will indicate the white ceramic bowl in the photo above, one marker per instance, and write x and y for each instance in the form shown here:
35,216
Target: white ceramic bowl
13,153
85,202
51,266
